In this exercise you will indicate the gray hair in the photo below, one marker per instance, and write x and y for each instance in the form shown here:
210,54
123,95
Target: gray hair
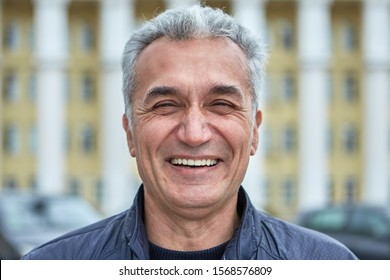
194,22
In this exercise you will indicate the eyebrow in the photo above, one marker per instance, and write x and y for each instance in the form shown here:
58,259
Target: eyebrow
160,91
230,90
217,89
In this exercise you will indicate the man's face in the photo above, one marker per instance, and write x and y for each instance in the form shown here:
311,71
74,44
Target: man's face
192,132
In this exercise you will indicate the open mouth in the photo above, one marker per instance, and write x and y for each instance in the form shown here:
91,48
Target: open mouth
193,162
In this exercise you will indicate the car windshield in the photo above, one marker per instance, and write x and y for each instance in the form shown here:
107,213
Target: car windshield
31,214
327,220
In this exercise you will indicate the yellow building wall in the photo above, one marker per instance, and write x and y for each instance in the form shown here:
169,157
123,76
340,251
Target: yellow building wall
84,166
20,111
279,112
342,113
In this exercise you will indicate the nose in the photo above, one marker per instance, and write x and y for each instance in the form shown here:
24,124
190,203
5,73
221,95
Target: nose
194,128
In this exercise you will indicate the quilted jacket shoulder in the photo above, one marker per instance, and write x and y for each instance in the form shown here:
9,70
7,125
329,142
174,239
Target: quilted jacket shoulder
259,236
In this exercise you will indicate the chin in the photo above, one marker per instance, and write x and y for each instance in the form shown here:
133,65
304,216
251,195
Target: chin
199,198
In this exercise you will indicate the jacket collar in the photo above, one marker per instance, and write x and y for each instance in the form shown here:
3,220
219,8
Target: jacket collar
134,228
245,242
242,246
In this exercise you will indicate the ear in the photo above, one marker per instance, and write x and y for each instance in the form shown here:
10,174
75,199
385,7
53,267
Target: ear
255,137
129,135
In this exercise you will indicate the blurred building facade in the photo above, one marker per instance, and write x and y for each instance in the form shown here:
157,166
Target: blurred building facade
325,138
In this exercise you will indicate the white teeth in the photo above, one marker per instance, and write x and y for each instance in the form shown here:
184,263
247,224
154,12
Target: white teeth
193,162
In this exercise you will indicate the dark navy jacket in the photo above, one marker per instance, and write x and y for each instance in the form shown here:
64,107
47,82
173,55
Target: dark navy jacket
259,236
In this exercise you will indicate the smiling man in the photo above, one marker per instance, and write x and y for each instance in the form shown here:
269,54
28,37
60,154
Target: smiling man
191,81
192,135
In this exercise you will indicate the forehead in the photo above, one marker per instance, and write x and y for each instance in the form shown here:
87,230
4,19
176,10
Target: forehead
214,60
220,43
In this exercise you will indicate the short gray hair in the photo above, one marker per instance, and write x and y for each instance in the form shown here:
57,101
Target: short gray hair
187,23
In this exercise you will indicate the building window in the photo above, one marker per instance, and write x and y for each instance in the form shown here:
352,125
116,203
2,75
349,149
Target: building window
75,187
329,139
67,140
87,89
289,139
86,37
329,89
350,139
331,191
10,183
349,37
88,139
32,88
267,189
266,141
350,189
10,88
271,91
33,140
351,91
33,184
67,88
288,88
270,36
265,90
31,37
287,35
288,191
11,140
99,191
11,36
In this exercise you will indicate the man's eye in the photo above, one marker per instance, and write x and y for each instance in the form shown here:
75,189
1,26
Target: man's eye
165,107
164,104
222,107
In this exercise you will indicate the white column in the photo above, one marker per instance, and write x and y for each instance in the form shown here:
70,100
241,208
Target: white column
117,19
376,48
1,86
314,26
51,47
251,14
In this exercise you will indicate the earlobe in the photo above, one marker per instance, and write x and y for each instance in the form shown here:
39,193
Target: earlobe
255,137
129,135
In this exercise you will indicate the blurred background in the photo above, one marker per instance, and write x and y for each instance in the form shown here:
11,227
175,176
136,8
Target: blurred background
325,137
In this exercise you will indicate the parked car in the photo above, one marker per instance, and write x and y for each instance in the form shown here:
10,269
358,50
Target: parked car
365,230
28,220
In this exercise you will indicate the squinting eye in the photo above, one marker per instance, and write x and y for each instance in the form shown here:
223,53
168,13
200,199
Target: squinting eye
164,104
165,107
222,104
222,107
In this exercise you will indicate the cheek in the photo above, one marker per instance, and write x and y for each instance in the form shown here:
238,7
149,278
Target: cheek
149,137
238,135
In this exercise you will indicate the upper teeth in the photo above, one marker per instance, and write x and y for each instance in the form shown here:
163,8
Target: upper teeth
194,162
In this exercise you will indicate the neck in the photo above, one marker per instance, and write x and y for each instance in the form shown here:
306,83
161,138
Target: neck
177,231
